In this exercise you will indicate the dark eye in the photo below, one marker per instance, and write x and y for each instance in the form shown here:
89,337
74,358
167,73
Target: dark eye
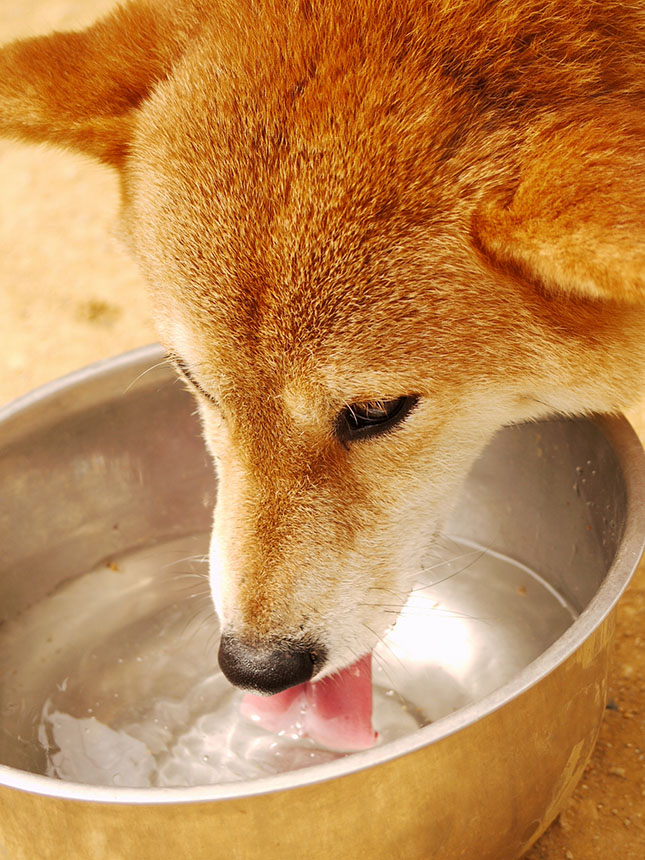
372,417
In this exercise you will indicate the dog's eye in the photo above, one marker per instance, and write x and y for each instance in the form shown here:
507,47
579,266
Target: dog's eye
372,417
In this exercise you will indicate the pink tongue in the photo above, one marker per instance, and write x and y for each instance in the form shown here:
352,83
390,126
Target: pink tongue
335,712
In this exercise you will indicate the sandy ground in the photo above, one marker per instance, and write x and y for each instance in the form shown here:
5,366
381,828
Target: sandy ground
69,295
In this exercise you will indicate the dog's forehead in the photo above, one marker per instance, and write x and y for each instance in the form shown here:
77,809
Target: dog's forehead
318,292
259,182
301,355
265,229
269,282
282,232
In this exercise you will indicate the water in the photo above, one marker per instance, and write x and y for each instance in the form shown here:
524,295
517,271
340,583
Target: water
114,677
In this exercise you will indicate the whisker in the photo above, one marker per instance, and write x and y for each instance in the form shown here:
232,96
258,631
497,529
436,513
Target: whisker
195,555
197,595
194,624
478,554
382,641
189,582
421,612
446,541
451,560
165,360
189,559
212,640
203,577
384,668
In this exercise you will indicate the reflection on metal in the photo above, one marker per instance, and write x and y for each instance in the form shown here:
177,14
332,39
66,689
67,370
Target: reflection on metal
480,783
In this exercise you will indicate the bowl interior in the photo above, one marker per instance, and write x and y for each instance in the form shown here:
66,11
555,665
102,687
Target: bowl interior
103,600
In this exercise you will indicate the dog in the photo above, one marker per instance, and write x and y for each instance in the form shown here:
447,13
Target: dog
375,232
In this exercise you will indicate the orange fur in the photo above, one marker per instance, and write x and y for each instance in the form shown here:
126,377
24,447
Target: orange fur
350,201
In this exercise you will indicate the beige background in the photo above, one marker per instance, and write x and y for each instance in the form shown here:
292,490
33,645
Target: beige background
70,295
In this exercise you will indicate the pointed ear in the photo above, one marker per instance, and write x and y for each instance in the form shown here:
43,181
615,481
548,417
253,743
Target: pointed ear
576,220
81,89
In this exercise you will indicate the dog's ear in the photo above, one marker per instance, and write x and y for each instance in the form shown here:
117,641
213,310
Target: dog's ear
576,220
80,89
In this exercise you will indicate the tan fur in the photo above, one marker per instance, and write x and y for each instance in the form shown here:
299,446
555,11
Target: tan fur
349,201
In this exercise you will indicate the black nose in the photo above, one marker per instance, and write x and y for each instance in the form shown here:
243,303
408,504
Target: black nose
266,670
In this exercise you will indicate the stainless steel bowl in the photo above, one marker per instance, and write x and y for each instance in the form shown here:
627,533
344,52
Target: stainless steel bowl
109,460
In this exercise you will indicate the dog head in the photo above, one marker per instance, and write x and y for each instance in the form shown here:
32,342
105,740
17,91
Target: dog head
367,255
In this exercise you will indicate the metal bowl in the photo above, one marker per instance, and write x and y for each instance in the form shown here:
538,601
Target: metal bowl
109,461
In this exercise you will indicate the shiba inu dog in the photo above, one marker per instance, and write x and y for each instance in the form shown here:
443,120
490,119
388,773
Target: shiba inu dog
375,232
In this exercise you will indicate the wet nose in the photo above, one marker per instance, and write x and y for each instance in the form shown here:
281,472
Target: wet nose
266,670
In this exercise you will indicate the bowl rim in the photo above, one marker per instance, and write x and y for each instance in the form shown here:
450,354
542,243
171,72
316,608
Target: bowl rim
631,456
